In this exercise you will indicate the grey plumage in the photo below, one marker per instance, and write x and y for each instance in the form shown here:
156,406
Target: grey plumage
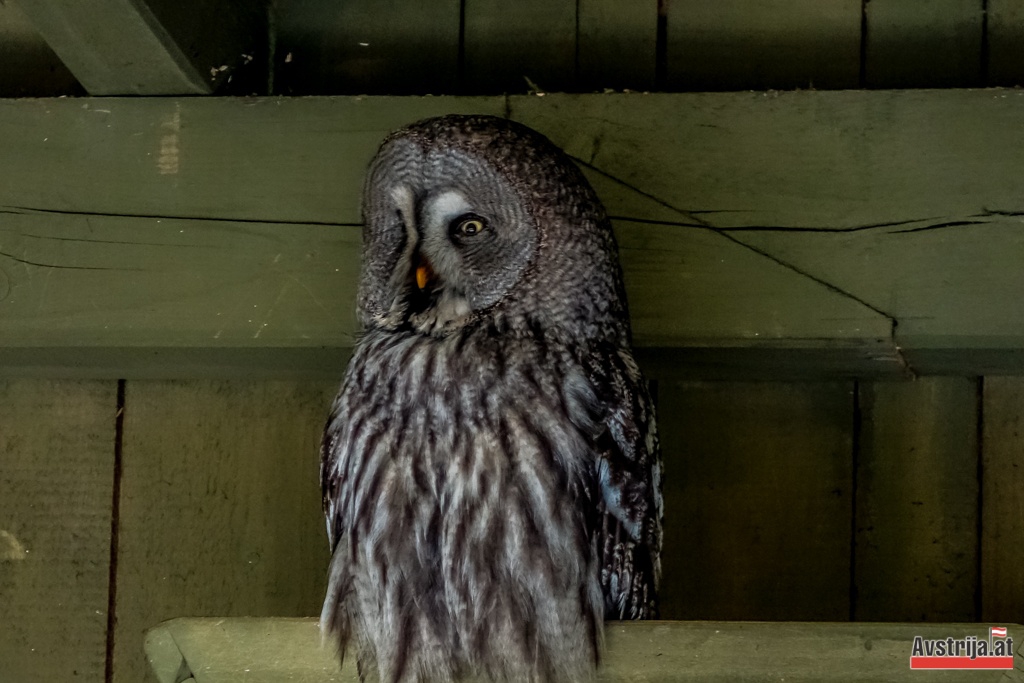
490,471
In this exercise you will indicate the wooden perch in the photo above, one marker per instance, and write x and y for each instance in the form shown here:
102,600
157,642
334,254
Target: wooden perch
271,650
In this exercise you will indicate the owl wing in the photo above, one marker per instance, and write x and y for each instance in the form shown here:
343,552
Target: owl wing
628,469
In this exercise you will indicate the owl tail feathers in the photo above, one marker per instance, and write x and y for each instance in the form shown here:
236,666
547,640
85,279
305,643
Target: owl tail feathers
335,620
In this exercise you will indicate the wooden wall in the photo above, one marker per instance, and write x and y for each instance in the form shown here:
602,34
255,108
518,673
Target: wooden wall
127,503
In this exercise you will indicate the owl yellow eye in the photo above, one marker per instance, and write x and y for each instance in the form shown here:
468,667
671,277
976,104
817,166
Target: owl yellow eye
468,226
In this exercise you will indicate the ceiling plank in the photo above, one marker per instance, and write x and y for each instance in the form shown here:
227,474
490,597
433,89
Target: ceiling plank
154,47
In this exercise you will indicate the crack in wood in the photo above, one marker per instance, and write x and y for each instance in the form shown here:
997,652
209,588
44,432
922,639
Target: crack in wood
25,211
702,224
58,266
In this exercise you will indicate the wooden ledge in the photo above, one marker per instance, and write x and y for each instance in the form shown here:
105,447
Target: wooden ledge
269,650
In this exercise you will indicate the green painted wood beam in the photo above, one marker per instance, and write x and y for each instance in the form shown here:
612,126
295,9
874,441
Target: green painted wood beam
271,650
153,47
798,234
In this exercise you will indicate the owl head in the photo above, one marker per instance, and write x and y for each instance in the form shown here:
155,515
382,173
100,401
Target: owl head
471,219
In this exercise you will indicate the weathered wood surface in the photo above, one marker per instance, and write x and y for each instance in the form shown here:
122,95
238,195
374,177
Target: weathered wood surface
917,501
28,67
1005,42
152,47
818,222
220,506
781,44
376,47
924,43
1002,498
508,46
617,44
56,479
758,497
271,650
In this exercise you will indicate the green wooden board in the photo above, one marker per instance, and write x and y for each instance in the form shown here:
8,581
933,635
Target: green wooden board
923,43
510,45
810,222
153,47
617,44
56,479
220,507
1002,511
783,44
1005,43
28,66
757,500
273,650
376,47
917,501
951,286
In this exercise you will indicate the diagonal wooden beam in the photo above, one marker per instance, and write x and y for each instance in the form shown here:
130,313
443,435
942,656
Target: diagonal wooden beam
154,47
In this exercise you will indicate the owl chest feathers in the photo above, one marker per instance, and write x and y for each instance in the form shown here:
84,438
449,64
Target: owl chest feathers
466,482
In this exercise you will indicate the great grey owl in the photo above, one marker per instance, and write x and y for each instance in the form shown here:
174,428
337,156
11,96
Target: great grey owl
490,468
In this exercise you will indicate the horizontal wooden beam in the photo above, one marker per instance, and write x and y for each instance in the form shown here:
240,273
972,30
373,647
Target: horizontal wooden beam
808,233
153,47
222,650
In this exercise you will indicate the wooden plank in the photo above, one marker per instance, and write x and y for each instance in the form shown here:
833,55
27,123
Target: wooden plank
510,45
295,160
923,43
28,67
153,47
154,284
392,47
56,479
917,501
1005,43
265,650
781,44
852,215
220,507
949,286
1002,513
617,45
758,485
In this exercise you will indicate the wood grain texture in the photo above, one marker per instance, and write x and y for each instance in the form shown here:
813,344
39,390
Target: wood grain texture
266,650
917,501
758,486
56,479
507,43
851,216
923,44
220,506
1005,43
392,47
617,44
1002,513
782,44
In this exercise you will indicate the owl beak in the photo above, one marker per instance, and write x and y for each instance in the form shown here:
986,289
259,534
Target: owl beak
424,275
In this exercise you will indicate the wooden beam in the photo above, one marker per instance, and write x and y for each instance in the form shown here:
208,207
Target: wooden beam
56,492
923,43
738,454
225,518
752,227
742,45
271,650
1002,506
916,530
155,47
